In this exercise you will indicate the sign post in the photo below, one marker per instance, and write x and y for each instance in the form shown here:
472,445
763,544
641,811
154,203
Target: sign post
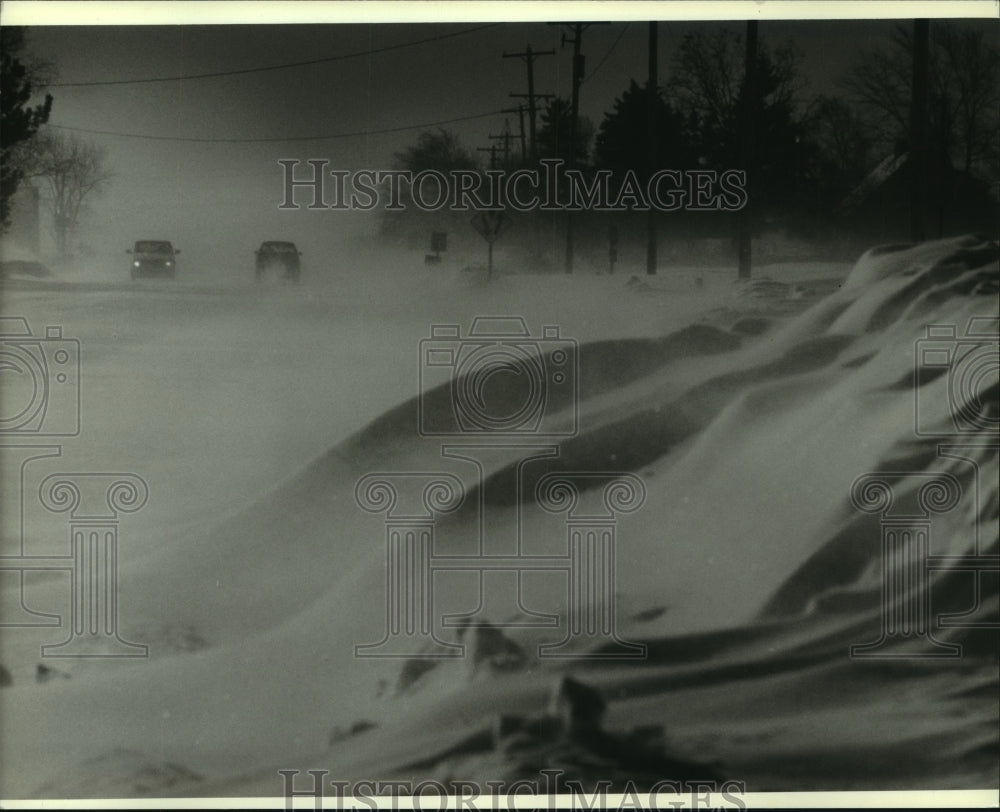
490,225
439,243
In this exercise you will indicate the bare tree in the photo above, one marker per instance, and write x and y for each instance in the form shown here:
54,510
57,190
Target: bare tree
964,92
708,86
73,171
845,146
972,70
708,76
879,83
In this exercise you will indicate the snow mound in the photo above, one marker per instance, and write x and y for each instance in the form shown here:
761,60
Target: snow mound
753,566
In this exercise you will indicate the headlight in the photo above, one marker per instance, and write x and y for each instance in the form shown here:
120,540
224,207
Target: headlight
169,263
136,263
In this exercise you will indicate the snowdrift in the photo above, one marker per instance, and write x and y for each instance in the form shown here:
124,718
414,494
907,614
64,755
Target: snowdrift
811,575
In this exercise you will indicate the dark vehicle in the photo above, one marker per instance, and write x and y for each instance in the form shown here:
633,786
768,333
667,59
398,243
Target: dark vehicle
153,258
280,258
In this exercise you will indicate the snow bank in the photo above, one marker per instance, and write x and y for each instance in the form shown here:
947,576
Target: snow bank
747,573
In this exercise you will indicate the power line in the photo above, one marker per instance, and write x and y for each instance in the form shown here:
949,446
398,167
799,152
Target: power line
243,71
610,51
331,137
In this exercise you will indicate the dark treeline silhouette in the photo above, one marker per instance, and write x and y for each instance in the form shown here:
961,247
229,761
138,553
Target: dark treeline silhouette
829,169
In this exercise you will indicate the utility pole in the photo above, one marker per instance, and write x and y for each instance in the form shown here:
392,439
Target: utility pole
529,58
505,137
520,120
575,114
917,159
578,71
749,152
651,144
492,150
532,98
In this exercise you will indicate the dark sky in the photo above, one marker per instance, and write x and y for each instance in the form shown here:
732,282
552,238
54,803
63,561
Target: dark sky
199,194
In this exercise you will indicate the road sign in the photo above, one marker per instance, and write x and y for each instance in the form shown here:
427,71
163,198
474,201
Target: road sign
490,224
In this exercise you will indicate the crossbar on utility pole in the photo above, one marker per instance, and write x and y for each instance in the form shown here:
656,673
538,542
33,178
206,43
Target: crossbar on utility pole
532,143
505,138
520,120
529,56
492,150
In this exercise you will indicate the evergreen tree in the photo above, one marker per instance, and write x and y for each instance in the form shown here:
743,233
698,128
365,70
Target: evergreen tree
621,142
18,121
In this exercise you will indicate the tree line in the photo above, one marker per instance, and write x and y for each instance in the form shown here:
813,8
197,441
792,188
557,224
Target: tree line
810,150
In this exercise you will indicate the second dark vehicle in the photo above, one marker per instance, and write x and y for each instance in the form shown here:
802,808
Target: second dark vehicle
276,257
